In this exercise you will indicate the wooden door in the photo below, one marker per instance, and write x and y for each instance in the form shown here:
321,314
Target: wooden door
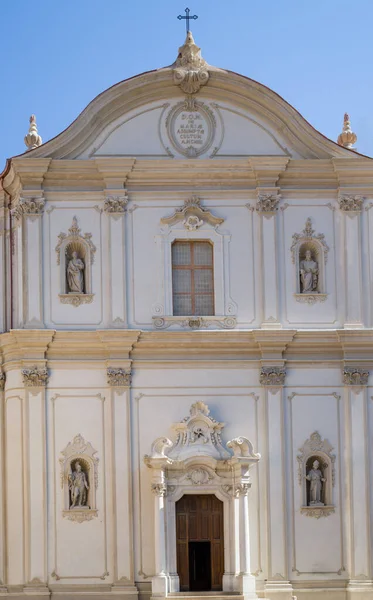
199,518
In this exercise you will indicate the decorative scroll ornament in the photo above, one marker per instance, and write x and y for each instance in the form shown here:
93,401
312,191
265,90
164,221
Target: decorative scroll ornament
350,203
28,206
195,322
272,376
2,381
192,209
190,69
347,138
313,444
76,299
118,377
317,511
242,447
192,223
35,377
355,376
74,234
116,204
267,203
308,234
33,139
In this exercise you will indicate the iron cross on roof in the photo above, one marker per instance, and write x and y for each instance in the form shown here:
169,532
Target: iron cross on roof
187,18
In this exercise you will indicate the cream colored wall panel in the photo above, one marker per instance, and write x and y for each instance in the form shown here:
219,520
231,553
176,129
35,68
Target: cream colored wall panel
318,550
71,414
15,489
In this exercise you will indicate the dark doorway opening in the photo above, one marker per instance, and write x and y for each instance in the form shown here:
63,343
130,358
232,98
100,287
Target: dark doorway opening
199,566
200,542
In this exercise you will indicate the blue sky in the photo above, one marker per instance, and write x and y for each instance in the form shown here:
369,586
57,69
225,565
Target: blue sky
58,55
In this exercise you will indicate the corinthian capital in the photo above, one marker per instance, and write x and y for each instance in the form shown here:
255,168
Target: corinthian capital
118,377
272,376
355,376
35,377
159,489
267,203
350,203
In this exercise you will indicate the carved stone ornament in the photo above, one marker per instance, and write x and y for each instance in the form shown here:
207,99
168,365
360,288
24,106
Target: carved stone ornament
192,208
118,377
74,235
116,204
347,138
191,127
272,376
2,381
79,459
355,376
199,476
267,203
28,206
312,445
317,511
308,234
190,69
33,139
76,299
242,447
159,489
310,298
195,322
350,203
35,377
192,223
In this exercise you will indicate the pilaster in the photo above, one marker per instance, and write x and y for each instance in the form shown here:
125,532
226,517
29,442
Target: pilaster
119,380
32,214
351,207
2,489
115,210
355,380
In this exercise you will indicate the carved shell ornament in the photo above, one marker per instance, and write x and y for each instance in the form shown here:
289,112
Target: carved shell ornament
190,69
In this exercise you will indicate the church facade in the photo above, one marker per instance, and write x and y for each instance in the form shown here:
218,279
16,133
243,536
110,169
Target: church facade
187,349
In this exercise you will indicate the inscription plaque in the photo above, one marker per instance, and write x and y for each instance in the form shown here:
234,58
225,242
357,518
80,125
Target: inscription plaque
191,128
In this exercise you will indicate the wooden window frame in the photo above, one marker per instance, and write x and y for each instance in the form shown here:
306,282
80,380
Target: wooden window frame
192,267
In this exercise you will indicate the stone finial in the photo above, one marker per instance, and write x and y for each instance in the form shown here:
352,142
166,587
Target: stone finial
190,69
347,138
33,139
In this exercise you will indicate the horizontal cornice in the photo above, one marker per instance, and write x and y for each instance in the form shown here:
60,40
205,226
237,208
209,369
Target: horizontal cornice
238,348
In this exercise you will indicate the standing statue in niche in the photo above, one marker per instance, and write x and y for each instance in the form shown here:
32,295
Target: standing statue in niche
308,269
75,275
78,487
316,479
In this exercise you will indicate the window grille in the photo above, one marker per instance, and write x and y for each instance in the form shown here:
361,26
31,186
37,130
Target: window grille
192,278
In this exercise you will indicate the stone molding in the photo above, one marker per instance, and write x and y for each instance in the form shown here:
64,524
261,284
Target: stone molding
350,203
35,377
267,203
116,204
190,70
355,376
272,376
118,377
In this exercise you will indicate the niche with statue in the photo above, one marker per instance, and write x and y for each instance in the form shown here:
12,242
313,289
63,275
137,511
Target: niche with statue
309,254
75,255
316,476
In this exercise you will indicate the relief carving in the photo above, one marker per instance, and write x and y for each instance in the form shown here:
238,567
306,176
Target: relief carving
159,489
272,376
118,377
116,204
268,203
35,377
28,206
350,203
199,476
355,376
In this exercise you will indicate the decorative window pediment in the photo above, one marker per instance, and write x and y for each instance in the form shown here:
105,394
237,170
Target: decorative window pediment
192,215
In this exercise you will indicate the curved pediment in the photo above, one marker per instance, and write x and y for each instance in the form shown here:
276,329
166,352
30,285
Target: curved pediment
152,116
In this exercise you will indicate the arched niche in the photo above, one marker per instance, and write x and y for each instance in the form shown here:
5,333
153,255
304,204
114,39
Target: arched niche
84,250
316,476
310,276
79,461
